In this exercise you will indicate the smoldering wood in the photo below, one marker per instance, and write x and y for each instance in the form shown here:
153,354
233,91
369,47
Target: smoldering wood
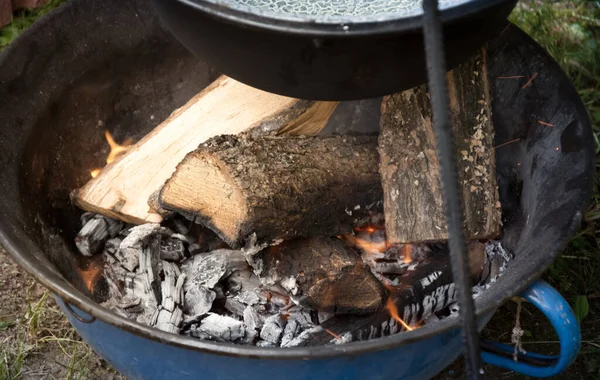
277,187
424,290
322,273
414,210
91,238
172,249
122,188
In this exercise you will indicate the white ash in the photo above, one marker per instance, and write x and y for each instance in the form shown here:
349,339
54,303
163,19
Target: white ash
273,328
219,328
155,278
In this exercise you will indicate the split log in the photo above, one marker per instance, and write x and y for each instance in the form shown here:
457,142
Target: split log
123,188
414,210
277,187
424,290
322,273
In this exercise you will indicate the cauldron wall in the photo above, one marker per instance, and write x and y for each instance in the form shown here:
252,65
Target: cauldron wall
66,73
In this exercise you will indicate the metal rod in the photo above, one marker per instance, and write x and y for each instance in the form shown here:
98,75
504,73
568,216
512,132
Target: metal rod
436,71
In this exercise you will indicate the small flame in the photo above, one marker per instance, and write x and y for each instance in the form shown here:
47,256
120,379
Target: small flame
370,247
407,253
393,310
115,151
91,275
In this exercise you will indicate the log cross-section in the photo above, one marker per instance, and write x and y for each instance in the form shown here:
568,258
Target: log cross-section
277,187
414,210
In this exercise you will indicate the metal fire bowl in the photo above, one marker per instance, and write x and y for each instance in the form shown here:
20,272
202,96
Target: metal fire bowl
91,66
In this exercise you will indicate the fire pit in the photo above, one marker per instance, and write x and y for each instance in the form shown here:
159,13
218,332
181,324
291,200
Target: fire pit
126,73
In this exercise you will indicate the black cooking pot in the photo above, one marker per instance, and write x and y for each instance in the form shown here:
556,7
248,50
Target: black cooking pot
326,58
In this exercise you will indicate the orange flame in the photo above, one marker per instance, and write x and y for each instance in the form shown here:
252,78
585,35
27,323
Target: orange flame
115,151
91,275
407,254
367,246
393,310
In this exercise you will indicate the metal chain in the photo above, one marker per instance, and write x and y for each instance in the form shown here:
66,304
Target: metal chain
436,71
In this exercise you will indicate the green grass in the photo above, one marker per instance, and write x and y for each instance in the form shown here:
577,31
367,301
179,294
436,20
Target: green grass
569,31
22,20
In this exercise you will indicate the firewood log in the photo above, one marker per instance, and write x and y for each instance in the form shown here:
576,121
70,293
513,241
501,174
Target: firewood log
425,290
414,210
277,187
322,273
123,188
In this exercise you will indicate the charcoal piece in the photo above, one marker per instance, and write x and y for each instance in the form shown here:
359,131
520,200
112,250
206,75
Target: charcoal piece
112,246
171,296
292,328
251,319
219,292
207,269
172,249
279,299
129,257
323,316
222,328
300,315
240,280
130,302
235,307
142,233
343,338
197,302
149,263
304,337
91,238
180,226
250,298
169,321
114,227
86,216
273,328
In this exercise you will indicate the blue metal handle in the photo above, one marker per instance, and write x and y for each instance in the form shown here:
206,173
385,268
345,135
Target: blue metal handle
560,314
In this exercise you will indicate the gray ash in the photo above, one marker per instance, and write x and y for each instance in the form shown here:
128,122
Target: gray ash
181,278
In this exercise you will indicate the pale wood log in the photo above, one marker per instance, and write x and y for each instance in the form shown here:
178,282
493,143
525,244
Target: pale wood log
123,188
277,187
414,210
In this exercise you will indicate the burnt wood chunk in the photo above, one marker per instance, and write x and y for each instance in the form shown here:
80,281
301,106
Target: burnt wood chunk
91,238
124,188
423,290
277,187
414,210
324,274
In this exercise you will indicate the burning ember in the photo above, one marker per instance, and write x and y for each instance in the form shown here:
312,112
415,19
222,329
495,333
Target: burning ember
115,151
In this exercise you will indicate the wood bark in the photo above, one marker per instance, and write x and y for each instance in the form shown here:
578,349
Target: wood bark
427,289
123,188
324,274
277,187
414,210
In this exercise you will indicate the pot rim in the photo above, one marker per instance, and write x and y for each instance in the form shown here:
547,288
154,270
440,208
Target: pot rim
303,28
